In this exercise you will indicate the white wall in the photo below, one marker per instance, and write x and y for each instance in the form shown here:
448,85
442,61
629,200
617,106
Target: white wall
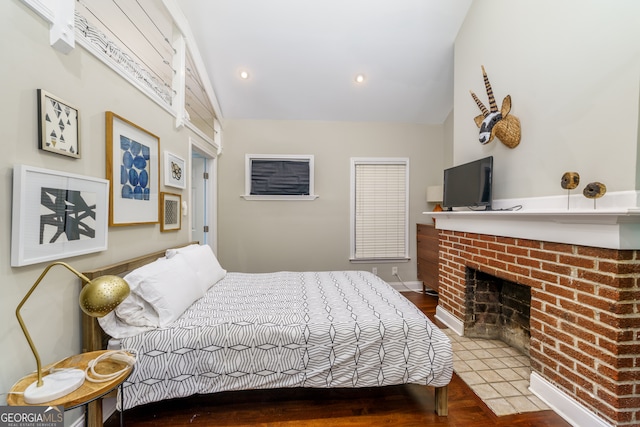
29,63
259,236
572,68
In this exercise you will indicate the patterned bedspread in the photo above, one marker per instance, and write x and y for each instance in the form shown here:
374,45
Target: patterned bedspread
290,329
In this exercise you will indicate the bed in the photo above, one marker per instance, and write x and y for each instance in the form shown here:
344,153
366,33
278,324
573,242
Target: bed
211,331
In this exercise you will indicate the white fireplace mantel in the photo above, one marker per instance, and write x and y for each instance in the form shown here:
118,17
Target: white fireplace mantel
603,228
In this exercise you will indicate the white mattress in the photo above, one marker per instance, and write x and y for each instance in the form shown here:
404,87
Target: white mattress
290,329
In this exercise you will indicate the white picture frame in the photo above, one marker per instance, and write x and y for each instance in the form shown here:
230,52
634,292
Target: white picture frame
56,215
174,171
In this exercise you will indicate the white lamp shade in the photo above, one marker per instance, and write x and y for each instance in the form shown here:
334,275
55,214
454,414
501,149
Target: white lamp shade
434,193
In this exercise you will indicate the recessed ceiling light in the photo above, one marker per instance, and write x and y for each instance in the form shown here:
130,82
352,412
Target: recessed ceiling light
244,74
360,78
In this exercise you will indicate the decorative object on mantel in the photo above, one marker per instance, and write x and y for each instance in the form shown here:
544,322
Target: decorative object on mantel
594,190
434,195
494,123
570,181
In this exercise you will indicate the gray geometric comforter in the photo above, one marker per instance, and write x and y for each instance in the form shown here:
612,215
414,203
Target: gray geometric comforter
290,329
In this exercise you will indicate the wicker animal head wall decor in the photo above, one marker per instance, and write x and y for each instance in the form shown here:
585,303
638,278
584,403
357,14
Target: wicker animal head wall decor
494,123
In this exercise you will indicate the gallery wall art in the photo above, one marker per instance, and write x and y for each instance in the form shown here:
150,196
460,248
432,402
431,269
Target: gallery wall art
174,171
133,168
170,206
56,215
58,125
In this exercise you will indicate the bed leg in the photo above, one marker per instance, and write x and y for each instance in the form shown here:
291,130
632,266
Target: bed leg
442,401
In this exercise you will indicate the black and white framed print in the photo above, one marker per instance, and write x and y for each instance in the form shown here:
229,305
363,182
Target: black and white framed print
58,123
56,215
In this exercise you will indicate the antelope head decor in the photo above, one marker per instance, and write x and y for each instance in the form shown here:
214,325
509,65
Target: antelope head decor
494,123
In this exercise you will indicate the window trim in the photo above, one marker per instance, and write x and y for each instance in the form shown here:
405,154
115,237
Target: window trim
352,202
249,158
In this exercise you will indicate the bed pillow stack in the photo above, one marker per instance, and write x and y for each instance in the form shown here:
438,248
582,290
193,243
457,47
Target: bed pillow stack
162,290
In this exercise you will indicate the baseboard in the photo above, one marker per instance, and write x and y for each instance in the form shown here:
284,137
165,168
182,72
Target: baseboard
407,287
564,405
108,408
452,322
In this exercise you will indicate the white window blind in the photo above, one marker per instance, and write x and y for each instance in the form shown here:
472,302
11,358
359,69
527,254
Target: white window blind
379,197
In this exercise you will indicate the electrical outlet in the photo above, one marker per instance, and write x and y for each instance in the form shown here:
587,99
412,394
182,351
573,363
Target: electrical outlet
394,270
374,270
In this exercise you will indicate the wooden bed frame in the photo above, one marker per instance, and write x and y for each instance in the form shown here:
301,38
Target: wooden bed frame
94,338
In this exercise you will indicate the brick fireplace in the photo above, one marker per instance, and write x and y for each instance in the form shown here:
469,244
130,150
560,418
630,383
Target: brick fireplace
584,314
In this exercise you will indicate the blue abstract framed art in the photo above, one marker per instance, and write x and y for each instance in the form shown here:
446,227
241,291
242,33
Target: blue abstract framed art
133,168
56,215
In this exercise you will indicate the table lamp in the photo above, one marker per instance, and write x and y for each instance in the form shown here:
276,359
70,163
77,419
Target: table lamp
434,195
97,298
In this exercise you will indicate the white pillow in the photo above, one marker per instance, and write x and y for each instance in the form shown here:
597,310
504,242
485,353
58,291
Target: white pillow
167,286
203,262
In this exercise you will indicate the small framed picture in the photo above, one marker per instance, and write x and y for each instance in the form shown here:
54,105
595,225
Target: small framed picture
133,168
174,171
57,125
170,208
56,215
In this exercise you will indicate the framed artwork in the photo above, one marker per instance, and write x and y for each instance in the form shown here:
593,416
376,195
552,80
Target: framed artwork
133,168
174,171
56,215
170,207
57,125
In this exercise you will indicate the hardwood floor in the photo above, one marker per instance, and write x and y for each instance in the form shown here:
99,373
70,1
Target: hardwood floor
409,405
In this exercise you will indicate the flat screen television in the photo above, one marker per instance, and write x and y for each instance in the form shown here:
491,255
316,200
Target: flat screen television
468,185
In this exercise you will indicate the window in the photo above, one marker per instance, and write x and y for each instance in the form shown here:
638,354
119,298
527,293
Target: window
379,209
279,177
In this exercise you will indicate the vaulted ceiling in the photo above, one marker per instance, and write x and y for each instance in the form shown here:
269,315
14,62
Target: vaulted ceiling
302,57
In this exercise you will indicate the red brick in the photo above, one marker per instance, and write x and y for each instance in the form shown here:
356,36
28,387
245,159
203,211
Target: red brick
573,307
585,359
503,256
516,269
597,277
570,375
557,247
546,277
525,243
579,333
596,302
575,261
497,247
529,262
597,328
560,269
578,285
560,291
544,255
518,251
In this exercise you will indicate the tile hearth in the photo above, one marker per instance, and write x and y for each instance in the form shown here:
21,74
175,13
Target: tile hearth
497,373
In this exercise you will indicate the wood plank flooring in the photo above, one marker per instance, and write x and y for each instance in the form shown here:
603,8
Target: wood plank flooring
397,406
